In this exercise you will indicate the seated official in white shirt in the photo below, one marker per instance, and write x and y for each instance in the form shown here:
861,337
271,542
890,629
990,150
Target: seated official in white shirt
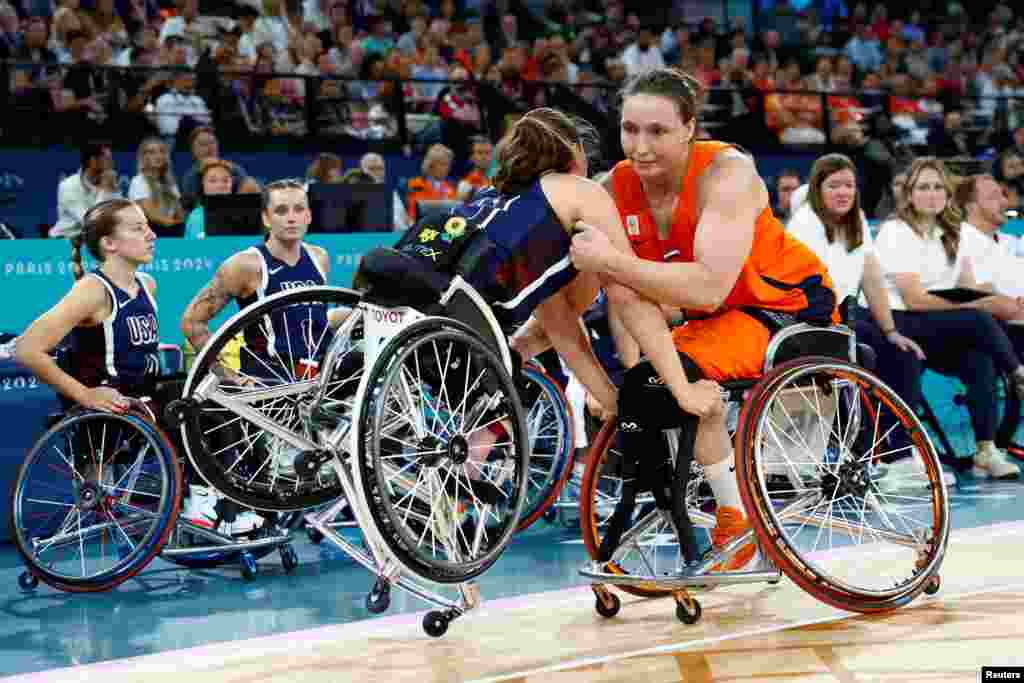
96,181
992,254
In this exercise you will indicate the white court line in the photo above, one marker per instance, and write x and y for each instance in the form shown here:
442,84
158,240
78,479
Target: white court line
975,534
693,644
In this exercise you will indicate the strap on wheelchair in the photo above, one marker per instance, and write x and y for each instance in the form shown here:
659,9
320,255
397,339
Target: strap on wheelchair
680,516
623,510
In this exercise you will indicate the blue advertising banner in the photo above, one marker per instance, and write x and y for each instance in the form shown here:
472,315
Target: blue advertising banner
35,274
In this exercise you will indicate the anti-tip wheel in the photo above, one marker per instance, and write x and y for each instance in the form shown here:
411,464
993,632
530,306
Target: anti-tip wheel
178,412
435,624
605,610
289,558
685,615
379,599
933,585
248,566
315,537
27,581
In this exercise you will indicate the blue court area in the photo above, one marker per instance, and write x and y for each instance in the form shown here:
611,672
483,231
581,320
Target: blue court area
167,608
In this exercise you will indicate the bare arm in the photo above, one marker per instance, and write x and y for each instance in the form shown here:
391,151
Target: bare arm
567,336
86,302
228,283
732,197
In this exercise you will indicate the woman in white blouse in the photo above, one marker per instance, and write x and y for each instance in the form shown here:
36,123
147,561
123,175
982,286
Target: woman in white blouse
921,252
155,188
832,223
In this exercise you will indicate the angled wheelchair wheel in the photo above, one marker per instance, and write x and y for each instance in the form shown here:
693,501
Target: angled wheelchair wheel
843,528
95,500
274,393
649,545
442,451
549,424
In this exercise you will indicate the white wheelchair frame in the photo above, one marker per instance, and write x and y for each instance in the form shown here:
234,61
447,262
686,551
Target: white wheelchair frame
380,324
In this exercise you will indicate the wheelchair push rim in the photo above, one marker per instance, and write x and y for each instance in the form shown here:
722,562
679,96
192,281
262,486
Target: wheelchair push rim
287,385
95,500
806,484
441,432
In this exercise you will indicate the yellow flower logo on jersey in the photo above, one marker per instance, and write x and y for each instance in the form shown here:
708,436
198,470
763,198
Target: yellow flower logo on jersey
428,235
455,226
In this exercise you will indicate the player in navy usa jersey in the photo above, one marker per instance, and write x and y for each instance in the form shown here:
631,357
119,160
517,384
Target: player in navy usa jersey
282,262
540,191
110,312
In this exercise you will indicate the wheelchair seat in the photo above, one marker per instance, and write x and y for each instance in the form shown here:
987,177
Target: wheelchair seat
389,277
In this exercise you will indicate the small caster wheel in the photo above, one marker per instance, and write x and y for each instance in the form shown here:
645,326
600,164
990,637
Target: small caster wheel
551,514
933,585
608,611
178,412
435,624
379,598
248,566
315,537
27,581
289,559
685,615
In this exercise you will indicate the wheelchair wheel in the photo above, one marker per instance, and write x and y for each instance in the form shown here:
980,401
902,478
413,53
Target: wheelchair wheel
442,451
649,546
807,440
285,340
95,500
550,426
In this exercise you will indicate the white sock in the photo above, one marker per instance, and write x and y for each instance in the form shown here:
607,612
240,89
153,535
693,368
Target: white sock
723,483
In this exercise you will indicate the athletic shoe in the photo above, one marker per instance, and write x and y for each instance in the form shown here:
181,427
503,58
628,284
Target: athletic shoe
730,523
992,463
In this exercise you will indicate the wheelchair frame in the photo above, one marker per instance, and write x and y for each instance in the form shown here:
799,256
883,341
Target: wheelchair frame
380,324
701,574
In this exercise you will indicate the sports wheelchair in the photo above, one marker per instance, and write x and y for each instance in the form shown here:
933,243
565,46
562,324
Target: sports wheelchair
808,436
97,498
398,399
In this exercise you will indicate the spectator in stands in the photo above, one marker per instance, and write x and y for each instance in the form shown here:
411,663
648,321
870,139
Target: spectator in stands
184,25
832,224
864,49
888,206
10,38
1009,170
481,156
68,20
204,145
433,184
922,251
155,189
109,25
29,93
785,184
993,254
96,181
643,55
459,110
180,106
215,177
372,164
326,168
950,140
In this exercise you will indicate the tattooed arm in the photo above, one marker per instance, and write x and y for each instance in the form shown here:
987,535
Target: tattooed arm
232,280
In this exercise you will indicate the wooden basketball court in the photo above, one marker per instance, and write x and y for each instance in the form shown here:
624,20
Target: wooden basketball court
748,633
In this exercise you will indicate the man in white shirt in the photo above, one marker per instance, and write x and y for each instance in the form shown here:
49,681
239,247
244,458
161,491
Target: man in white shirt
992,254
644,55
96,181
177,103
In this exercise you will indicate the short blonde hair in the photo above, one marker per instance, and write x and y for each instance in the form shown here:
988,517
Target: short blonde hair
434,153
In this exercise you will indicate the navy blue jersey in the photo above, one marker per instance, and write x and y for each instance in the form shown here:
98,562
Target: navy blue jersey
292,334
530,261
123,350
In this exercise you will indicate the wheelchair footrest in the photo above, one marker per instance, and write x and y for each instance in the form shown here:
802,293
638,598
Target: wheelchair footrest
685,578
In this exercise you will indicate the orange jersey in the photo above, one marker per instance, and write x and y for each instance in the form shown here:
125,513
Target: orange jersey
781,274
